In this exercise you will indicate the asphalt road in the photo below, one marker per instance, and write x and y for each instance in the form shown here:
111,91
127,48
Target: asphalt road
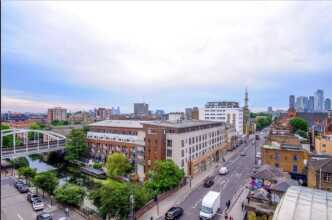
239,169
14,205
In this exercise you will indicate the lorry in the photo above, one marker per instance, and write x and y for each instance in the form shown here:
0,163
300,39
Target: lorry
210,205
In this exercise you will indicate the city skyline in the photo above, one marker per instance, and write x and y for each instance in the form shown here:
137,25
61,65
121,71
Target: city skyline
65,59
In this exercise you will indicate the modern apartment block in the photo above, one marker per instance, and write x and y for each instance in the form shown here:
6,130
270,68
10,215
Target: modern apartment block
141,109
229,112
103,114
57,113
192,145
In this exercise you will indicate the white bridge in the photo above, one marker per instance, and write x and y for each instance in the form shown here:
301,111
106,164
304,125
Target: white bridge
40,141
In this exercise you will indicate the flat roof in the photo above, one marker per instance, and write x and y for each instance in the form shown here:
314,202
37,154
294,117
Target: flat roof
304,203
182,123
119,123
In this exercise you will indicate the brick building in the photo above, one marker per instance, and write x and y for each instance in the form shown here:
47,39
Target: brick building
320,174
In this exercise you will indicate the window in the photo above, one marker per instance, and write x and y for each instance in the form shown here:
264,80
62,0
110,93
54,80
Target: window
182,143
295,157
169,152
182,153
277,155
277,165
294,169
327,177
169,143
182,163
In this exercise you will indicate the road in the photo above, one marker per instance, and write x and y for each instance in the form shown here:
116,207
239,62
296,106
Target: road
239,169
14,205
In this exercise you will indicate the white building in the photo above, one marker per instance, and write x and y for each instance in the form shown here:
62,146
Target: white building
175,116
229,112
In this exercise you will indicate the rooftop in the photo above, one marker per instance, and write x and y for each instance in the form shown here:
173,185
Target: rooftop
222,104
324,164
182,123
305,204
119,123
276,146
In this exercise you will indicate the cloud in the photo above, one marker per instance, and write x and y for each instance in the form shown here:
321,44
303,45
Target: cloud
164,45
30,105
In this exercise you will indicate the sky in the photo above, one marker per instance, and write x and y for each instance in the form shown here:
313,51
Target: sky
169,54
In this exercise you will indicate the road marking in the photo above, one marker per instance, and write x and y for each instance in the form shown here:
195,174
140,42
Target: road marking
20,217
196,204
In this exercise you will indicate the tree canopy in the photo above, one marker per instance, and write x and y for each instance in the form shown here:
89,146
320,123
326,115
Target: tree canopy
117,164
76,146
262,122
164,176
70,194
20,162
113,198
47,181
27,172
298,124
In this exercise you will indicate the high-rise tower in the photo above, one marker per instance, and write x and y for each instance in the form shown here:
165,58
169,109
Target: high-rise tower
246,114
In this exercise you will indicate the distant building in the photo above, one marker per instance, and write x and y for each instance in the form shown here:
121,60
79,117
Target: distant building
116,111
160,112
103,114
291,101
141,109
270,110
229,112
57,113
319,100
327,104
195,113
188,113
176,116
311,104
301,104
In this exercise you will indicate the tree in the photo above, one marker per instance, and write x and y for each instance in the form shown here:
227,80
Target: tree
70,194
117,164
302,133
46,181
27,172
113,199
20,162
97,165
8,141
298,124
164,176
262,122
76,146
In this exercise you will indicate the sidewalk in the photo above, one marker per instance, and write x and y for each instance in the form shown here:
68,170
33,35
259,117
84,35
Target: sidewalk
236,209
182,194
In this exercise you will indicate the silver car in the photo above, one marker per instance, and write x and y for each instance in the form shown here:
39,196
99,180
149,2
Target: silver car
38,205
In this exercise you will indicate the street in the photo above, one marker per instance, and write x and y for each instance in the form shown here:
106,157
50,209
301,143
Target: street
239,169
14,205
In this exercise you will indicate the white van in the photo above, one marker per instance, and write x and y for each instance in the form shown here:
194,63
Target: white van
210,205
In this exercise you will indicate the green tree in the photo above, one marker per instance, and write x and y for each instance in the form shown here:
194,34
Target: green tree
117,164
113,199
262,122
8,140
298,124
32,135
27,172
164,176
302,133
20,162
97,165
46,181
76,146
70,194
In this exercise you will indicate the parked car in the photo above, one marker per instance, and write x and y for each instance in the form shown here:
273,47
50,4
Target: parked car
23,188
174,213
44,216
243,154
38,204
31,197
223,170
209,181
19,183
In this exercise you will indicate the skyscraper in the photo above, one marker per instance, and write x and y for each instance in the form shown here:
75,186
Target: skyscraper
319,100
327,104
300,103
311,104
306,104
291,101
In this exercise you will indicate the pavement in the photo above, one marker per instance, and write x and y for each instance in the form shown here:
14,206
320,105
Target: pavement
229,185
14,205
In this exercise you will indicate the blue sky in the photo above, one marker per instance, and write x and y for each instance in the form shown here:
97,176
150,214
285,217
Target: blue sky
82,55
